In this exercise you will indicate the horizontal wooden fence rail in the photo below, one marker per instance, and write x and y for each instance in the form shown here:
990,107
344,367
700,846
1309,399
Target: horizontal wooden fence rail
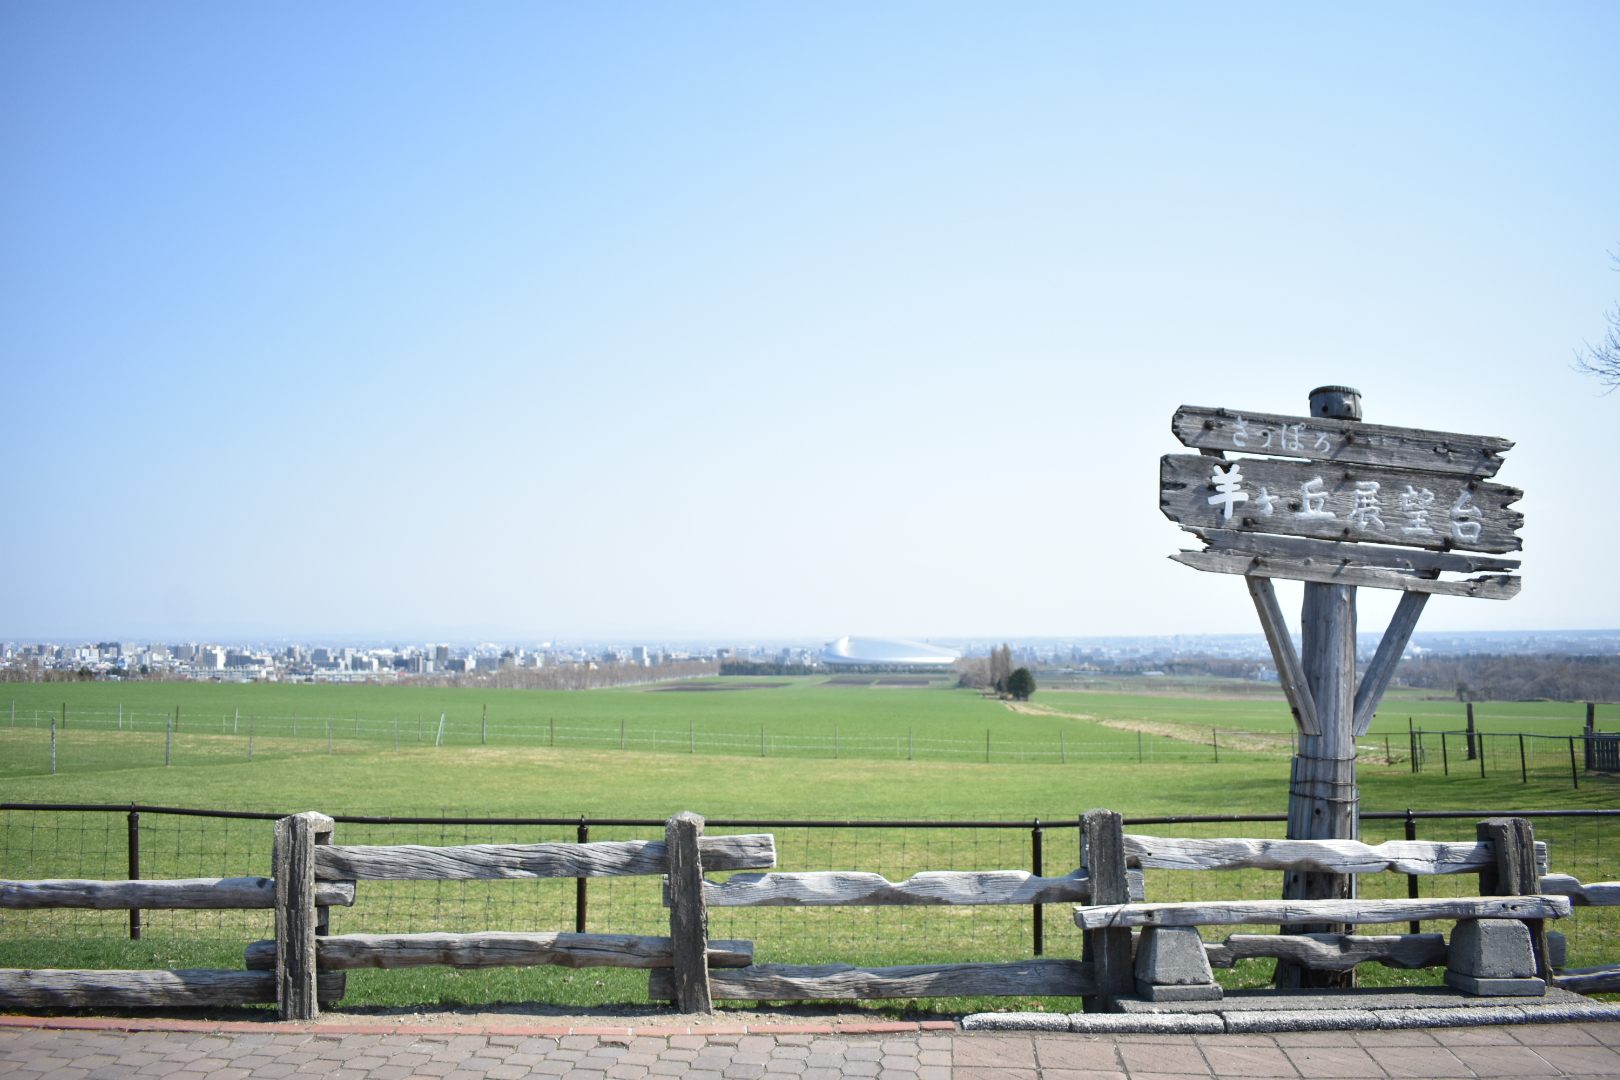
201,988
837,982
851,888
142,988
240,893
1326,856
498,949
415,862
1596,894
788,982
1332,952
1285,912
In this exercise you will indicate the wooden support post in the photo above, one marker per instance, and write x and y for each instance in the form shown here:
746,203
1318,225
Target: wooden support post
688,915
1289,672
1473,749
1515,874
297,917
1102,853
1323,800
1387,658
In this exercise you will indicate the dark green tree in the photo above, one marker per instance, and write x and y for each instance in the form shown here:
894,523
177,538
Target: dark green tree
1021,684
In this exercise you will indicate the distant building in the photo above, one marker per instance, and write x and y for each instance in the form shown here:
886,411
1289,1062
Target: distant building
878,652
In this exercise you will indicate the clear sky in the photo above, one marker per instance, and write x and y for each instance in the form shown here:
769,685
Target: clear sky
539,320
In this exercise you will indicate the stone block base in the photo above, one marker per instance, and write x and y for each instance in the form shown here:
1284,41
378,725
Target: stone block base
1489,987
1180,992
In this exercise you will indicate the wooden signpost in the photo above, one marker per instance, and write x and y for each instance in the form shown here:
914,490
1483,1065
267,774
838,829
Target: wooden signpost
1337,504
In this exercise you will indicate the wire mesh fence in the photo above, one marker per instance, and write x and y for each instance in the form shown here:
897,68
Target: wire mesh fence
1521,756
117,842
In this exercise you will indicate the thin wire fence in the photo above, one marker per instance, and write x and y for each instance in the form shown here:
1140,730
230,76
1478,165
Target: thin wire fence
41,741
37,740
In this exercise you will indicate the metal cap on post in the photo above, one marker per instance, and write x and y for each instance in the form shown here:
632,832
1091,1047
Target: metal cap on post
1336,402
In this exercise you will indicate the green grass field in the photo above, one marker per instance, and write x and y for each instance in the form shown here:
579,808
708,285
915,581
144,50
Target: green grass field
895,760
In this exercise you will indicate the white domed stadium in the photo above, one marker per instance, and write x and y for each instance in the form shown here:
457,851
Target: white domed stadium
872,652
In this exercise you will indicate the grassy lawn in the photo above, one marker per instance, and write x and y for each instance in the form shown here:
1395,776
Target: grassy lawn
517,773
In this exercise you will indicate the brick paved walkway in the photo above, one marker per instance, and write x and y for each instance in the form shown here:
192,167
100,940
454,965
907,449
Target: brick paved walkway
1527,1051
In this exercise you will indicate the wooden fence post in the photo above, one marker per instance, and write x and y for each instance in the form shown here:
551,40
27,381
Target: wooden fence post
297,917
1102,853
1515,874
688,915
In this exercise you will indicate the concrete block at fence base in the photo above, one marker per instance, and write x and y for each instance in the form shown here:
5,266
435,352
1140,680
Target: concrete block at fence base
1183,992
1491,949
1171,965
1469,984
1493,958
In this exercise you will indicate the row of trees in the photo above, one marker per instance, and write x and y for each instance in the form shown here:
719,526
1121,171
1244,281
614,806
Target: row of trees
996,673
1516,678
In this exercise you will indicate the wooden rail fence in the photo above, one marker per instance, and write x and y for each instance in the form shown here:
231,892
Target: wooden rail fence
302,968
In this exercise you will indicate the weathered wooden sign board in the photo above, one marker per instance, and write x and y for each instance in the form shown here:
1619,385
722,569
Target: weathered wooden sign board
1336,503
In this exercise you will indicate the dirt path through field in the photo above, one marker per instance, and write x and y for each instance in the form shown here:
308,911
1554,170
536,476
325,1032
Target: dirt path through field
1236,740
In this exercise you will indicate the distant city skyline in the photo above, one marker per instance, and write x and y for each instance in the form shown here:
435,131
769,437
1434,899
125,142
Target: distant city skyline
531,322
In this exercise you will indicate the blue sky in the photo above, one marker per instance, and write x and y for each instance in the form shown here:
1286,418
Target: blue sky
563,320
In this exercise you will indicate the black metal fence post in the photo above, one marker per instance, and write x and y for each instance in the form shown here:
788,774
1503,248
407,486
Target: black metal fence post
134,869
1574,773
583,834
1035,862
1524,772
1412,879
1445,757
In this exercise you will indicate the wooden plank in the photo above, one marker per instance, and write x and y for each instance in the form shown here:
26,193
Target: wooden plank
1598,980
172,893
1330,552
200,988
1488,587
297,917
414,862
850,888
688,917
1328,856
1102,840
1345,441
1513,872
498,949
837,982
1594,894
1333,952
1283,654
1375,680
1323,799
1360,504
1283,912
